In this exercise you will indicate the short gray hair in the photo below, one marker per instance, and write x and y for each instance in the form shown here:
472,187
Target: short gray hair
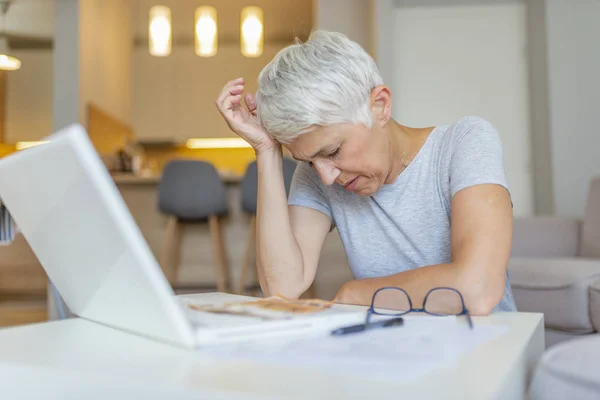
326,80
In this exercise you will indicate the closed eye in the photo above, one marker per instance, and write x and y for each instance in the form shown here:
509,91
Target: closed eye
335,153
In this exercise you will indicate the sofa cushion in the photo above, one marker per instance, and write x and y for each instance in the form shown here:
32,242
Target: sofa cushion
595,304
546,237
568,370
559,288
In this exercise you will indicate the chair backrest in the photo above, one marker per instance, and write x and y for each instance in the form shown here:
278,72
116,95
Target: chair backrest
590,234
249,184
191,190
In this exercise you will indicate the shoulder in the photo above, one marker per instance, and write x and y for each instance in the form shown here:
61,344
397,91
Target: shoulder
467,135
473,122
475,154
473,128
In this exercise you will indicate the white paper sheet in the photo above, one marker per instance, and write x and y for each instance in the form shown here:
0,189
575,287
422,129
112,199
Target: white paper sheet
403,353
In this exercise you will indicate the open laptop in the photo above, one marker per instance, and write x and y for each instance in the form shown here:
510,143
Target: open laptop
70,211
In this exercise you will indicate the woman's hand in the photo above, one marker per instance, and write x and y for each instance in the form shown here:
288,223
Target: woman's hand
242,119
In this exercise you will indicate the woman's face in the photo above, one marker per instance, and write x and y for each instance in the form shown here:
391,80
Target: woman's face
353,156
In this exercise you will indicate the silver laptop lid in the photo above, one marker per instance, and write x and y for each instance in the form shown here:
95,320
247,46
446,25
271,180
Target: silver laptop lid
71,213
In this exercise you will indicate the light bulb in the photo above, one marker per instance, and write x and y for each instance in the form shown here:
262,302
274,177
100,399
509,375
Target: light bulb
252,31
160,31
206,31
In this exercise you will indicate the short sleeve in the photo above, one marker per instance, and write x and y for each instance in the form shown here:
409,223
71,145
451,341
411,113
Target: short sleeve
477,155
306,190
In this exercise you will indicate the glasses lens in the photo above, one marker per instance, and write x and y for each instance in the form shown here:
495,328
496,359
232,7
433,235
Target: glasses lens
443,302
391,302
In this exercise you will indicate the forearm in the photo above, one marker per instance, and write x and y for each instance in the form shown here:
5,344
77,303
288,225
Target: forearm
278,256
480,291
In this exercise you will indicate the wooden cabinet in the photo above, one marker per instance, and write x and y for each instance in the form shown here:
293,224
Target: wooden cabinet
174,97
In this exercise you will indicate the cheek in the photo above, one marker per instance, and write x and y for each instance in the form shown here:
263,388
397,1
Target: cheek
364,157
361,163
368,164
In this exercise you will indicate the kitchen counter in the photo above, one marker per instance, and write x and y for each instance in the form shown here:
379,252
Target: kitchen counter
126,178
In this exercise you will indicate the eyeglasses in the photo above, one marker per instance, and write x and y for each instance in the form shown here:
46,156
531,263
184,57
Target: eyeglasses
394,301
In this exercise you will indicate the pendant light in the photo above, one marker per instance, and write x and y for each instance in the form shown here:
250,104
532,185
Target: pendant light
7,62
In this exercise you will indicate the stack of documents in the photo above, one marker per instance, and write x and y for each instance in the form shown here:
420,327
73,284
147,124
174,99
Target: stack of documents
402,353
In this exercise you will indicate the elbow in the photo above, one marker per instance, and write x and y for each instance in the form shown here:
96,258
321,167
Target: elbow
275,283
483,305
280,290
483,292
278,286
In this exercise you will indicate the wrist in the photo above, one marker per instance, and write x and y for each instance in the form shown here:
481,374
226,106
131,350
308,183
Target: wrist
273,149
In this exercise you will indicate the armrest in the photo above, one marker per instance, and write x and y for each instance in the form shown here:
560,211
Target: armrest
595,304
546,237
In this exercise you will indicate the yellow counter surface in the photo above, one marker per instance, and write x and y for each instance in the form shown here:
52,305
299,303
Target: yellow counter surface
124,178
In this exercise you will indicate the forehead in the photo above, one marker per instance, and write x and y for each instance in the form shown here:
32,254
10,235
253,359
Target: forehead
320,138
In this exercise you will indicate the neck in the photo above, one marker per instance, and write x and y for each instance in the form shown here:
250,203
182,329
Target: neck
404,144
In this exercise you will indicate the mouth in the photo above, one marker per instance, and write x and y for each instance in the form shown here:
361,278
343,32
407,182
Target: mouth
351,185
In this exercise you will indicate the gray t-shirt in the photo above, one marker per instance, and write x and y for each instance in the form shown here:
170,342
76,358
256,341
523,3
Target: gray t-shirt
406,224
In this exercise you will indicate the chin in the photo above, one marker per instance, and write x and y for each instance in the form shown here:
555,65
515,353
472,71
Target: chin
365,192
369,190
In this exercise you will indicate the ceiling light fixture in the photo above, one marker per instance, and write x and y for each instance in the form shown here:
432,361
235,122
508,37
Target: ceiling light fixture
159,28
7,62
252,32
205,31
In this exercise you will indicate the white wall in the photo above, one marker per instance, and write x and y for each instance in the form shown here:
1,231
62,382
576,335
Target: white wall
452,61
573,35
105,57
29,97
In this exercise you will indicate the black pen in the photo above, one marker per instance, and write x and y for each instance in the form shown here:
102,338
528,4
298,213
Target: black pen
398,321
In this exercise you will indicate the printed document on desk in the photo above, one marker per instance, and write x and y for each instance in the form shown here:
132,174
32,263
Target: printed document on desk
401,353
243,319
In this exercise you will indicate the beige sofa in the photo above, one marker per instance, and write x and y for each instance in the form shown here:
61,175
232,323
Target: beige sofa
555,269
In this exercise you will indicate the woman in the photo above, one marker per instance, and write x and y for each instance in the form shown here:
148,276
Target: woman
416,208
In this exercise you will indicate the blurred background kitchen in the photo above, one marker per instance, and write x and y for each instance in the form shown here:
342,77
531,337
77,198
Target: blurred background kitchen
142,77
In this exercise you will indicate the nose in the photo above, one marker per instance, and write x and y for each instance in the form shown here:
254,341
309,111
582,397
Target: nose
327,171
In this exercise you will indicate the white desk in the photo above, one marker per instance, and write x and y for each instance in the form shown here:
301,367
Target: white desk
75,359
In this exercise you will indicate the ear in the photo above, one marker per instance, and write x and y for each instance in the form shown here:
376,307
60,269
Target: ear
381,104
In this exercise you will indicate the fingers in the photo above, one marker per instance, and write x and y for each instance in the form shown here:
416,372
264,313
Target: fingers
250,103
225,90
231,88
233,101
233,97
227,99
235,82
235,90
